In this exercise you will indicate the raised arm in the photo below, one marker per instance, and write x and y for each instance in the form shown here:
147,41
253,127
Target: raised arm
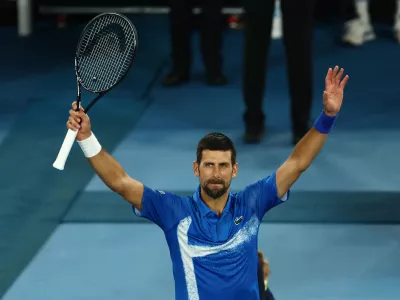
106,167
310,145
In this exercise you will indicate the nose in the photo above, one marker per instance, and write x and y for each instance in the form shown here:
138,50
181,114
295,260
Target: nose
216,173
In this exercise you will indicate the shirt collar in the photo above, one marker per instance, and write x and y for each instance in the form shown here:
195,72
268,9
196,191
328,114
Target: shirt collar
203,208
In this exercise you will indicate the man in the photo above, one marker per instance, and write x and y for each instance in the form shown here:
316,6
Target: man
297,37
180,18
212,235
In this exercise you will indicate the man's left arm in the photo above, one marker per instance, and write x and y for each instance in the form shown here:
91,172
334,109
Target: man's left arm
311,144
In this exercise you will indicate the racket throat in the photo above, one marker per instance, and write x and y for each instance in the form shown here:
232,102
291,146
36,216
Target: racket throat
99,96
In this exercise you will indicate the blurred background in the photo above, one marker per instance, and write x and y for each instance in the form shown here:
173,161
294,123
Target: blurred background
255,72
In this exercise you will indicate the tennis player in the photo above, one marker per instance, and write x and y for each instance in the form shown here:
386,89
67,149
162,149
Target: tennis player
212,235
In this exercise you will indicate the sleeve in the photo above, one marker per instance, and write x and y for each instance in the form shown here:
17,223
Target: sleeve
162,208
263,195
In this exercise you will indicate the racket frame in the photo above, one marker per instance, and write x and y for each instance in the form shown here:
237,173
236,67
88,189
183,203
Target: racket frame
71,135
80,83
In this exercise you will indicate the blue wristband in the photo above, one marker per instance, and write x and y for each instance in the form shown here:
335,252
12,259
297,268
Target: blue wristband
324,123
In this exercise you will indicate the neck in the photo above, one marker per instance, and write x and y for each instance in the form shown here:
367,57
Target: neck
216,205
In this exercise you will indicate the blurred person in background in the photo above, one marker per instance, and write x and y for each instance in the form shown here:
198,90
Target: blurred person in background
263,274
297,24
358,27
211,27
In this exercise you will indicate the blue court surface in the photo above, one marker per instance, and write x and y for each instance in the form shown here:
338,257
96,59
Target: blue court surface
64,235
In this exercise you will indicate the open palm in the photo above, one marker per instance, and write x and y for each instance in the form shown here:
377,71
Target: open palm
333,94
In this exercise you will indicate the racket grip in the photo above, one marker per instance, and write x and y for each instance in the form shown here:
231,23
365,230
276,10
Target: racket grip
65,149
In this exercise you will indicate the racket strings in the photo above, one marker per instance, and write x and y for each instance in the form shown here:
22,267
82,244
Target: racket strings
108,70
109,50
106,52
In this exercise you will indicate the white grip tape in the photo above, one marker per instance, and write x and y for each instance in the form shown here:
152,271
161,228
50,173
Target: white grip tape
65,149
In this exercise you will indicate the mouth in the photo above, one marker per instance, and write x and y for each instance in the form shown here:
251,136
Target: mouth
215,185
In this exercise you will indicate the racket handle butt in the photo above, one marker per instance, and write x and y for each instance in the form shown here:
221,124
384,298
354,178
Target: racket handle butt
65,149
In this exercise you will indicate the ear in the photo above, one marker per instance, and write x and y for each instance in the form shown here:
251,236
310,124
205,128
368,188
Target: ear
196,168
235,169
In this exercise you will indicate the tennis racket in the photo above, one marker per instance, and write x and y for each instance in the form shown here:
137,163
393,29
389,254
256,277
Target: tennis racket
104,55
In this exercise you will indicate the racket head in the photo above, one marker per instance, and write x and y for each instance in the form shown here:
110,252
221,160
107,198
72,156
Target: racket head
105,52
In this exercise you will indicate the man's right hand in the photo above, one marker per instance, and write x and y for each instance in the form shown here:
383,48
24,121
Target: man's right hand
80,121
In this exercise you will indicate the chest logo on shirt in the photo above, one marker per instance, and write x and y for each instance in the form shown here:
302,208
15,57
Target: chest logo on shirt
238,220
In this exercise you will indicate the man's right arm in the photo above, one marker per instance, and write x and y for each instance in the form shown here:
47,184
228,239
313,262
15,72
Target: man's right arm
106,167
115,177
162,208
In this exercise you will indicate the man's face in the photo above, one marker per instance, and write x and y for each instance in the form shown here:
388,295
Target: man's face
215,172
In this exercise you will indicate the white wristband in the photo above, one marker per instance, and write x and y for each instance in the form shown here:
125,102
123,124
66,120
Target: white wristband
90,146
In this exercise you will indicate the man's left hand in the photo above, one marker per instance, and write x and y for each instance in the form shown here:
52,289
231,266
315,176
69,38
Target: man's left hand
333,94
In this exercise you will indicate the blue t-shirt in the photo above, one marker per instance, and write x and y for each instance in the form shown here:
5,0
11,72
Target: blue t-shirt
213,257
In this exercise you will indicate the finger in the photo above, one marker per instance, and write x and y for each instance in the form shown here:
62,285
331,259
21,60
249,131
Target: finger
74,106
334,73
75,114
344,82
74,123
84,117
339,76
328,78
71,126
335,70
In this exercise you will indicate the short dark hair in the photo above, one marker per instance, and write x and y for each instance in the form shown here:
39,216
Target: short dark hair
216,141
